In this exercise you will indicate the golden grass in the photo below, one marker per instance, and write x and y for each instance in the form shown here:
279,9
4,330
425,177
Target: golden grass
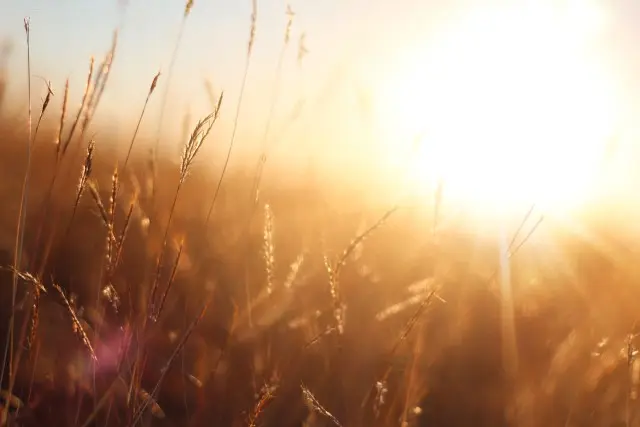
185,314
302,346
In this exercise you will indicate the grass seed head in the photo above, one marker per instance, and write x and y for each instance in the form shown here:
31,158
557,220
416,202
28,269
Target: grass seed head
86,172
77,325
252,29
268,247
47,98
154,83
197,138
62,116
287,33
187,8
302,48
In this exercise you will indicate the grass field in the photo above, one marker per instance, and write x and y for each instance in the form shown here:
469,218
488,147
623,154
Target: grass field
156,290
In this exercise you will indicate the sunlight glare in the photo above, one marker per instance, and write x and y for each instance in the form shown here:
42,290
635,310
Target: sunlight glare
508,107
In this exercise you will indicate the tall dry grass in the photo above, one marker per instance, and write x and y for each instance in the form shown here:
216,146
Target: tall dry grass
124,306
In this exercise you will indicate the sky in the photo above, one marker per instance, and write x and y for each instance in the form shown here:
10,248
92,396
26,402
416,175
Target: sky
354,47
338,33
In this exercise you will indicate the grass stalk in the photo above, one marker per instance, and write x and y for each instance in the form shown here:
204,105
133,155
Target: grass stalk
165,94
274,100
17,258
61,150
152,88
191,149
252,35
163,372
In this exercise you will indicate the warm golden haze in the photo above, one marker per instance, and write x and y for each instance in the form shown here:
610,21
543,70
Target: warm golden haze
508,105
355,213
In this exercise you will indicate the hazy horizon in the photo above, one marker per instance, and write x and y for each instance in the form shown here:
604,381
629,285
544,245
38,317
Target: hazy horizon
65,34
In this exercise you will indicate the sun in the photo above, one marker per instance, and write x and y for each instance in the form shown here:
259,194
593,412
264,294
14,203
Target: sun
506,107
